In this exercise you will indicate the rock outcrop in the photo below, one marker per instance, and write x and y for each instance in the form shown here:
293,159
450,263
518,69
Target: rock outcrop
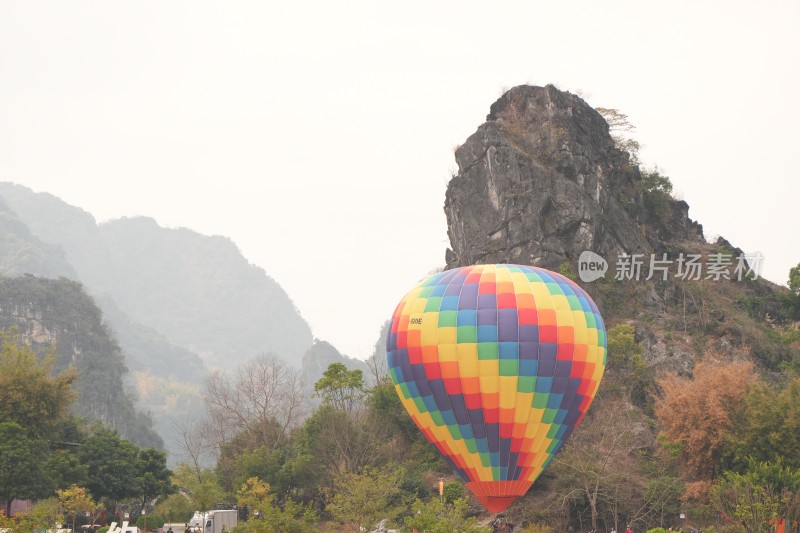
542,180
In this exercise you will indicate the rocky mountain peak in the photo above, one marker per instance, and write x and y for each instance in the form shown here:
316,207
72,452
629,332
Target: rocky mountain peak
542,180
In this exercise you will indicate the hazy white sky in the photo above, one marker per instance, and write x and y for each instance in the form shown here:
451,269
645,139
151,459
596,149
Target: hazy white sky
318,135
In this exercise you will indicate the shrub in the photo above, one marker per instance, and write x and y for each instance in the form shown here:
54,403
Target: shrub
153,521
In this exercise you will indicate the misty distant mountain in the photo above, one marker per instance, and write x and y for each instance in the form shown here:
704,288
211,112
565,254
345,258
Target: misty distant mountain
21,252
177,303
199,292
148,350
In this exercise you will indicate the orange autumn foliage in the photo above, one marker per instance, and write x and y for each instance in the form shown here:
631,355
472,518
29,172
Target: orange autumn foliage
698,414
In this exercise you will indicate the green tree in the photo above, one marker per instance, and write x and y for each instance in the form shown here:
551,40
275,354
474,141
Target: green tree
21,472
362,498
385,405
452,491
784,481
329,443
29,393
152,476
791,300
663,496
149,522
64,469
264,517
110,463
623,350
341,388
657,197
625,355
292,518
567,270
176,507
202,485
263,462
745,499
655,182
794,279
435,516
769,428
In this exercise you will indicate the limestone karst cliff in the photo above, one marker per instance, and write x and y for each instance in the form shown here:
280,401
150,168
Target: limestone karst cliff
542,180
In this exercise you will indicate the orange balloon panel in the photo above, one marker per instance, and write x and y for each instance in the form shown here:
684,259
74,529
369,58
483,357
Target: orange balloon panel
497,364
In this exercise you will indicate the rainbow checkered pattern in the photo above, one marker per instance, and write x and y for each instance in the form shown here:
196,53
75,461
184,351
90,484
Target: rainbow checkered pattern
497,364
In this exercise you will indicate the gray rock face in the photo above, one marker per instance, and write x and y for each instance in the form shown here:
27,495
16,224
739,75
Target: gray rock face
541,181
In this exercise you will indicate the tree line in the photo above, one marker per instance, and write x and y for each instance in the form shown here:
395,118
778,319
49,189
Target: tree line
48,454
715,448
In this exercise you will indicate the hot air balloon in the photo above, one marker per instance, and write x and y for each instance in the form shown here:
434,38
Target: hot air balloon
497,364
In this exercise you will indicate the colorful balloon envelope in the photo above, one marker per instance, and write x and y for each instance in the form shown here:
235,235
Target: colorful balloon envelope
497,364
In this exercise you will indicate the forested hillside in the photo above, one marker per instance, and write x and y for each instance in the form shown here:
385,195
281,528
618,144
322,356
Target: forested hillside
59,314
139,358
